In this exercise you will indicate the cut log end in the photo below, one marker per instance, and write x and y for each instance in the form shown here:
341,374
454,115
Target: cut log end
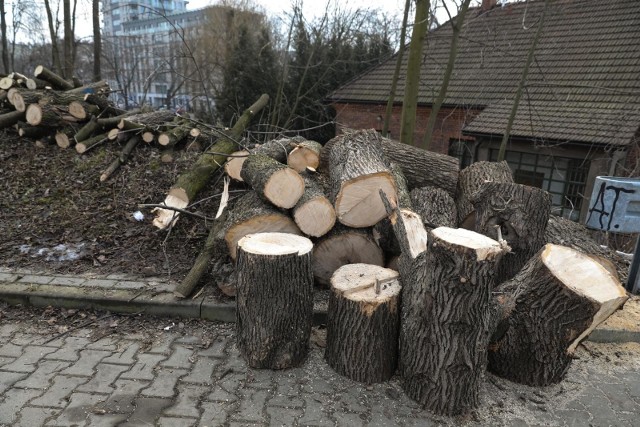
416,234
357,282
316,217
303,157
165,218
587,277
77,110
62,140
276,244
233,167
272,223
284,188
34,114
358,203
484,247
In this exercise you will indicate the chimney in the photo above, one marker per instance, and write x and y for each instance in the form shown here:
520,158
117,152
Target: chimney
488,5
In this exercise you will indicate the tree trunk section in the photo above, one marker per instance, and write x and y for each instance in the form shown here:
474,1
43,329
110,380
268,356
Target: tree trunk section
88,144
121,159
561,295
11,118
357,171
445,319
470,181
277,149
274,300
521,213
342,246
435,206
272,180
305,155
314,213
362,328
56,81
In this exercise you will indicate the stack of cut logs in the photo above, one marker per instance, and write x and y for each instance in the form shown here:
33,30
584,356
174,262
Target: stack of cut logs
48,108
409,289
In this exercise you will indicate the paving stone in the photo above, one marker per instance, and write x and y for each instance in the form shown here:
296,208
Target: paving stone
176,422
216,349
102,382
163,385
86,364
8,329
69,350
215,413
148,410
180,358
188,341
260,378
348,419
354,399
286,401
619,399
23,339
129,285
29,358
32,417
100,283
13,402
282,416
187,401
57,394
35,279
8,277
382,417
314,414
201,371
6,360
288,383
10,350
231,382
67,281
8,379
81,406
163,345
252,406
124,356
144,369
108,343
106,420
45,371
121,400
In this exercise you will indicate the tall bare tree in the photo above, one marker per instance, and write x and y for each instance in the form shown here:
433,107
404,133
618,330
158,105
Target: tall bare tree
3,27
412,82
53,34
97,40
68,39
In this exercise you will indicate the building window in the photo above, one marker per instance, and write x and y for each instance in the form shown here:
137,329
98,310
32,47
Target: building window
564,178
461,149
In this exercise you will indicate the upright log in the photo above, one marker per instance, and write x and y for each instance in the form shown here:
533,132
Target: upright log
520,213
435,206
560,296
445,320
272,180
274,299
470,181
357,172
363,321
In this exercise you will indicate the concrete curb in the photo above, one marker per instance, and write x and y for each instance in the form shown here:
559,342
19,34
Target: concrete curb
156,298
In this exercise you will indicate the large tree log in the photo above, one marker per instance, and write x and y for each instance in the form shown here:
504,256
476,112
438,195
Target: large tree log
251,215
20,99
110,122
274,299
435,206
357,172
314,213
49,115
342,246
56,81
104,104
560,296
277,149
363,321
193,180
272,180
25,130
520,214
470,181
11,118
306,154
87,130
88,144
173,136
151,120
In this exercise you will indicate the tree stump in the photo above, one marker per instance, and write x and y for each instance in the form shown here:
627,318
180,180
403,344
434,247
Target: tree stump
469,182
341,246
274,299
357,172
560,296
445,319
520,213
272,180
363,320
435,206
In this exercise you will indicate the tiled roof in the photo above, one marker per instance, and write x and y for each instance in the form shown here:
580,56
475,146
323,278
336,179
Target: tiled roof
584,83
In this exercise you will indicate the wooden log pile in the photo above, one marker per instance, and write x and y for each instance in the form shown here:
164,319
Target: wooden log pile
47,107
474,284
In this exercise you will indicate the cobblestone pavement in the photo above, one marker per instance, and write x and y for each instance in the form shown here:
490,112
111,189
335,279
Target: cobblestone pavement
193,375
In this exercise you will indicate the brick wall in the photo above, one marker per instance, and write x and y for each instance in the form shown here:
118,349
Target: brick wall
367,116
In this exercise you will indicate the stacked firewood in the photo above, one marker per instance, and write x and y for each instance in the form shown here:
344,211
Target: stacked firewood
50,109
434,271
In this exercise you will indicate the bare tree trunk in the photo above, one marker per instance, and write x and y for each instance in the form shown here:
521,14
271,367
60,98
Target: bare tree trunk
97,41
410,101
55,52
453,52
523,80
396,72
68,40
3,27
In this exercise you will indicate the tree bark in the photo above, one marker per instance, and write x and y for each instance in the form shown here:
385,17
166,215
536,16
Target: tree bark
68,39
3,35
87,130
121,159
277,149
520,213
362,327
273,181
55,80
171,137
341,246
435,206
11,118
274,300
88,144
470,181
48,115
97,41
357,171
314,213
560,296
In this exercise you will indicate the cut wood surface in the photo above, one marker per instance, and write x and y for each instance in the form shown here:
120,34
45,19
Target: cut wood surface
306,154
358,172
277,149
314,213
363,321
470,181
274,299
342,246
43,73
560,296
383,230
272,180
252,215
233,166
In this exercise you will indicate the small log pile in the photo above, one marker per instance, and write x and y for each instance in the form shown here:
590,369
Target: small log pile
50,109
491,294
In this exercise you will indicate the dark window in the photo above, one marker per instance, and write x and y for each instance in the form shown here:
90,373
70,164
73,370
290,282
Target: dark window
462,150
530,178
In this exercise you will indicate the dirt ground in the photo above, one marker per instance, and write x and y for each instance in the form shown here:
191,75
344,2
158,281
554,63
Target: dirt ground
56,215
